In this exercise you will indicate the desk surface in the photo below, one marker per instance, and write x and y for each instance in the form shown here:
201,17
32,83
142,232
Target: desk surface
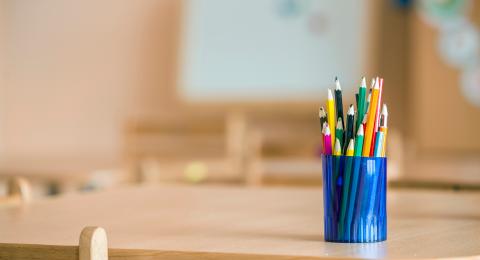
262,221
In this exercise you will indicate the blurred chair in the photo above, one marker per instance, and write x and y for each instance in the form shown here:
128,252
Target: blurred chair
188,147
18,190
61,175
284,148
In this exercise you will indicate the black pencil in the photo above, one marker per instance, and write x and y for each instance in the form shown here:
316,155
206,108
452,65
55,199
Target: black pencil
349,133
338,101
323,117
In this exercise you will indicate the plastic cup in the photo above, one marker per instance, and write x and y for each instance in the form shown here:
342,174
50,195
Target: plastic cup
354,198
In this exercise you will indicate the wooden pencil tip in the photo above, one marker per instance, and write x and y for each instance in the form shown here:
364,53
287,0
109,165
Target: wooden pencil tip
330,95
351,110
321,112
338,148
360,130
337,84
364,83
384,110
340,123
351,144
326,129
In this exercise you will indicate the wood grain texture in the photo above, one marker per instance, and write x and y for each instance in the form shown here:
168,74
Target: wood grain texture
93,244
208,222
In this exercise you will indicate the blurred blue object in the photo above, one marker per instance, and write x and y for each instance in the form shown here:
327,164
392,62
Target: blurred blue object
403,3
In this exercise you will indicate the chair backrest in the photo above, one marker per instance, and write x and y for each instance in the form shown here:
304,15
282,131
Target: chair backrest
18,191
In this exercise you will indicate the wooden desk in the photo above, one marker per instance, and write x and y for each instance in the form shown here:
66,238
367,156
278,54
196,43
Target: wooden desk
242,223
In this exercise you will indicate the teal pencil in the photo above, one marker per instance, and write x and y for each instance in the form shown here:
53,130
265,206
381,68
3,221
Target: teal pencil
377,152
355,178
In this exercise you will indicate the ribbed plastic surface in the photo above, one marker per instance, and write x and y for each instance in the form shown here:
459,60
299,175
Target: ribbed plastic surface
354,199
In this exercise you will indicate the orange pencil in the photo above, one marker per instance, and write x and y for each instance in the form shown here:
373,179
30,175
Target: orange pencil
371,119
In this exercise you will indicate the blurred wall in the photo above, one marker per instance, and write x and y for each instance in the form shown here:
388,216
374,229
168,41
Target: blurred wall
75,70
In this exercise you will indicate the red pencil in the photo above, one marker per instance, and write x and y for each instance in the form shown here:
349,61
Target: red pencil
377,117
327,140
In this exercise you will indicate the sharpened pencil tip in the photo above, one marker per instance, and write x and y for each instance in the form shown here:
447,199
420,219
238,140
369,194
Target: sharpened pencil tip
364,83
377,84
351,110
337,84
326,129
339,123
338,148
330,95
384,110
360,131
321,112
351,144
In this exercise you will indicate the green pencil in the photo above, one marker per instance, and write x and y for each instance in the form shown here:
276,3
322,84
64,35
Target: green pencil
345,189
359,141
361,102
339,132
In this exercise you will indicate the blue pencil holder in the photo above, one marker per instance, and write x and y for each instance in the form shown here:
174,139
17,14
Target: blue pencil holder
354,198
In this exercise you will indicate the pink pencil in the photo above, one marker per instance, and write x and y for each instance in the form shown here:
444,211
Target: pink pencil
327,140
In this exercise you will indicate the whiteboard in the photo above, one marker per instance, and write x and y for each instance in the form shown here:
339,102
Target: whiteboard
244,50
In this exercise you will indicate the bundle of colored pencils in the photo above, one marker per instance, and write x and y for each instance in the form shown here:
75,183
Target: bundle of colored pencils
365,131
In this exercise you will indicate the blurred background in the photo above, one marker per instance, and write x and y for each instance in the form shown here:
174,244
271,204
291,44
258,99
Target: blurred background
99,94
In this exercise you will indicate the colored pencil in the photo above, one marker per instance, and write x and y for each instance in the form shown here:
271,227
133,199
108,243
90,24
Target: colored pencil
349,133
323,117
367,105
377,117
379,144
359,142
338,148
361,102
331,115
339,101
339,133
327,140
383,127
355,179
346,186
371,120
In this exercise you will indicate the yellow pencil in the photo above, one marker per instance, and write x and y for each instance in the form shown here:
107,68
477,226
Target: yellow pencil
331,115
383,127
338,148
371,120
350,148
